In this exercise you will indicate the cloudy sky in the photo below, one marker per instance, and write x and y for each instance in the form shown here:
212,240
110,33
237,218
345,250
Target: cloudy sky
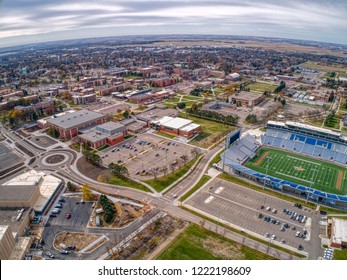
28,21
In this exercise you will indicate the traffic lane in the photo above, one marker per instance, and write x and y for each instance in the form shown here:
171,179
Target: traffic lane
244,217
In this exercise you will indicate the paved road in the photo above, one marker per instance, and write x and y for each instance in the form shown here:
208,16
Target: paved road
166,203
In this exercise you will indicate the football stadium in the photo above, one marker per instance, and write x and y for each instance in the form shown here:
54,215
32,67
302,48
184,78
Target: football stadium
299,159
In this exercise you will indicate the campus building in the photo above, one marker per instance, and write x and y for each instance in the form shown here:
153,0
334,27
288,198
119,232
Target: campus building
248,99
338,238
177,126
110,133
69,125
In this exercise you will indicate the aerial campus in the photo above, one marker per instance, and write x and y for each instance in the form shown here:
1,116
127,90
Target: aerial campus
173,147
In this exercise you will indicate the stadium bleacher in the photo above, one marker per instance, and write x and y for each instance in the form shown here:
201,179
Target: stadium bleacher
242,149
312,145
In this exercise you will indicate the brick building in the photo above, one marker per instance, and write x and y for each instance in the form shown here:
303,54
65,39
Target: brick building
69,125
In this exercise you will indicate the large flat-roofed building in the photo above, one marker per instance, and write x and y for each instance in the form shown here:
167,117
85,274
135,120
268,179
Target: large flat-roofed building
155,114
7,242
9,158
246,98
110,133
177,126
32,189
69,125
338,238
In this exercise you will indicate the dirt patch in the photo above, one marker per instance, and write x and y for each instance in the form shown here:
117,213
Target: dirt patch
90,170
55,159
261,158
148,240
223,250
339,180
125,214
79,239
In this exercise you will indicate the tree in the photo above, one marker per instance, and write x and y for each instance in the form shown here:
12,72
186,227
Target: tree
184,159
164,169
92,157
195,152
86,192
154,172
181,105
69,186
283,101
126,114
118,170
252,118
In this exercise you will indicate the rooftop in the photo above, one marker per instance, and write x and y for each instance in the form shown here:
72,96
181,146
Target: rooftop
339,230
111,128
175,123
75,119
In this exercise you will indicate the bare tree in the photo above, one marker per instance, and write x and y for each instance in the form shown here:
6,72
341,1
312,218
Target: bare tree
164,169
154,172
172,166
195,152
184,159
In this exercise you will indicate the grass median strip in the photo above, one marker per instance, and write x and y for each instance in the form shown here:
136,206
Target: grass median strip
197,186
243,233
163,182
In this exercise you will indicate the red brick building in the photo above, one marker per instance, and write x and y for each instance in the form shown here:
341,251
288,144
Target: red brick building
110,133
69,125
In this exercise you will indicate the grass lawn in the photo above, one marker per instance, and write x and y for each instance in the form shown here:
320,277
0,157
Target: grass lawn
197,186
211,131
103,147
165,134
197,243
218,91
216,159
163,182
300,170
261,87
340,254
127,183
333,123
191,98
323,68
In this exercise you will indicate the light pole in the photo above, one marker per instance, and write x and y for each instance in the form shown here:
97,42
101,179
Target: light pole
267,167
312,181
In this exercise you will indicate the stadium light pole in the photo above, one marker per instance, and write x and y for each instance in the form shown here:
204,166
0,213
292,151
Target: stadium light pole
312,181
267,167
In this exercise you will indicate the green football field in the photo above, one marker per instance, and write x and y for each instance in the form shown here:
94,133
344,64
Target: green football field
302,170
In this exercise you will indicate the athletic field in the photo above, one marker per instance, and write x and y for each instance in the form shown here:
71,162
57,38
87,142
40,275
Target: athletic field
300,169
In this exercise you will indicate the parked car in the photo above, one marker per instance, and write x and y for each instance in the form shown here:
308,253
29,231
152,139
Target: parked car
65,252
49,254
68,215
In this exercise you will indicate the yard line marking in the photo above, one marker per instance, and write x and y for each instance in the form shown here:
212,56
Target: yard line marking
294,177
305,160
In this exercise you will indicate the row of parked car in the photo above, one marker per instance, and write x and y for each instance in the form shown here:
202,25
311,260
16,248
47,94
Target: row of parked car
295,216
328,254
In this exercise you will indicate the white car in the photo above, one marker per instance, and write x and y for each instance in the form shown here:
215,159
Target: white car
273,237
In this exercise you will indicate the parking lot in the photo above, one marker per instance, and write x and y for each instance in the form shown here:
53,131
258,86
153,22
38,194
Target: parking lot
144,152
43,141
254,212
80,213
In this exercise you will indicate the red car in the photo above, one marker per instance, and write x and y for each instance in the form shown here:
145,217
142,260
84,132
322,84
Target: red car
68,215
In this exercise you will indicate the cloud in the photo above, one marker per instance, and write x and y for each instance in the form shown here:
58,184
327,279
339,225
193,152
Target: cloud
321,20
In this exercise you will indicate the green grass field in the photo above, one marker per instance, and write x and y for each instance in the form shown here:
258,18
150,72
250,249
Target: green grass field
261,87
300,170
196,243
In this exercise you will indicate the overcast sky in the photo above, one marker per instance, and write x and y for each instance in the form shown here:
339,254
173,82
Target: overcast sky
29,21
